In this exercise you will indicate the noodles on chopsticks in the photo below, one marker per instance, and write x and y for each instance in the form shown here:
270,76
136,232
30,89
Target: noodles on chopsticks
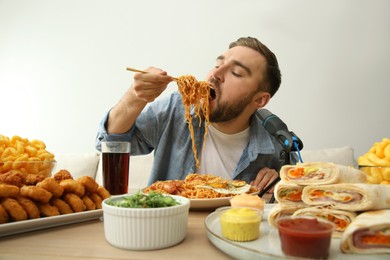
196,95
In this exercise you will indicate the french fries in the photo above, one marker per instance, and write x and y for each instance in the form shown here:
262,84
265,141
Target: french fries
30,157
378,156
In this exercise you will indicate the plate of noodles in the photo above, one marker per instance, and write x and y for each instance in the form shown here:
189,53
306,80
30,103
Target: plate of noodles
205,191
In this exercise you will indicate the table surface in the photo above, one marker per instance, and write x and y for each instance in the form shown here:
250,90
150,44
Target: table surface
86,240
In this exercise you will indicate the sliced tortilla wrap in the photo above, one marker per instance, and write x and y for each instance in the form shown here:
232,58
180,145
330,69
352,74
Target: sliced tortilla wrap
348,196
282,210
340,218
318,173
369,233
288,193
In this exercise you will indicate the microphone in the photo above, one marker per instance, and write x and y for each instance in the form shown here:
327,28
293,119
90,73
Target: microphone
276,127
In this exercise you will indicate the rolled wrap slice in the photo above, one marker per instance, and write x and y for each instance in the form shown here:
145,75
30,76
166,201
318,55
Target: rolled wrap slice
319,173
348,196
282,210
340,218
369,233
288,193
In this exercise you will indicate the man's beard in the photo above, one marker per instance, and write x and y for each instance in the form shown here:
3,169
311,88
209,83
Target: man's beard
225,111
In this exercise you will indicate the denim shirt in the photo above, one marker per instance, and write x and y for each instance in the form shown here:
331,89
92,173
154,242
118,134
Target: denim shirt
161,128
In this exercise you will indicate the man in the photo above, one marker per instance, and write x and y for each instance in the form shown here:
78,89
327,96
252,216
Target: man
237,146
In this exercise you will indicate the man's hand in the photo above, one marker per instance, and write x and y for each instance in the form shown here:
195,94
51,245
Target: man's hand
148,86
265,177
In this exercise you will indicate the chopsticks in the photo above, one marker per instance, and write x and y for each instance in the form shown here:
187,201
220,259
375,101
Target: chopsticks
142,71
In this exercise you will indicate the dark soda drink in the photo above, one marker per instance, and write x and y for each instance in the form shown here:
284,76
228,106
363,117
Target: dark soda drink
116,172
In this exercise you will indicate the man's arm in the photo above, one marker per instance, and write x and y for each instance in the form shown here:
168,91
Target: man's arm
146,88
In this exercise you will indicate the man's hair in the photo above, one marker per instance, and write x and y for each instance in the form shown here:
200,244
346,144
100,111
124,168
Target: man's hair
273,76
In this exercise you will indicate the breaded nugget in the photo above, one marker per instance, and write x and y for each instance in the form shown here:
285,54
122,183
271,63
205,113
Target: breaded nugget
9,191
88,202
36,193
89,183
75,202
13,177
73,186
33,179
14,209
3,215
29,206
62,206
96,199
62,175
52,186
103,193
48,210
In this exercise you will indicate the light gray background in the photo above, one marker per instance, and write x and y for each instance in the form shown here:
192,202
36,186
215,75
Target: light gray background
63,63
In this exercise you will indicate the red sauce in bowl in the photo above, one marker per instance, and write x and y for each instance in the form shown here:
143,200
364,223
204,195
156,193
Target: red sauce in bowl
305,237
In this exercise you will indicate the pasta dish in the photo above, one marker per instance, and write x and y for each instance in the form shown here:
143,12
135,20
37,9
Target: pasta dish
202,186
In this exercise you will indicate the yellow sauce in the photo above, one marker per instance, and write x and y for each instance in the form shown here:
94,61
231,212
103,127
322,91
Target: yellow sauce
240,224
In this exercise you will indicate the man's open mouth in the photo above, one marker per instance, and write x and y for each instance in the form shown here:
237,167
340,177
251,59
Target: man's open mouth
212,94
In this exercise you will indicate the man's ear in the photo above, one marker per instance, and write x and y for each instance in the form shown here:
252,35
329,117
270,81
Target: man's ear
261,99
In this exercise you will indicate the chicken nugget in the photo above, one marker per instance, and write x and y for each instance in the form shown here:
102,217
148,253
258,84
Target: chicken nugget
89,183
96,199
73,186
88,203
33,179
62,206
3,215
62,175
14,209
75,202
52,186
13,177
29,206
48,210
9,191
36,193
103,193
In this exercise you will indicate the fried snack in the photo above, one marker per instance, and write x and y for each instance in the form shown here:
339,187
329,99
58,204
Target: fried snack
62,206
195,94
46,197
33,179
30,157
379,156
62,175
103,193
52,186
3,215
89,183
88,203
29,206
96,199
75,202
48,210
14,209
13,177
73,186
7,190
36,193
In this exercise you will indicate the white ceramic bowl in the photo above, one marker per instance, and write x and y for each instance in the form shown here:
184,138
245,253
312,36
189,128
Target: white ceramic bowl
145,228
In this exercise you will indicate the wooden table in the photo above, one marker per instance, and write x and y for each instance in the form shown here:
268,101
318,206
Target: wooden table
86,240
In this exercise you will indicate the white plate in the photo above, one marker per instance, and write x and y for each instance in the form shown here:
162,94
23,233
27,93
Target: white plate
209,203
267,246
47,222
